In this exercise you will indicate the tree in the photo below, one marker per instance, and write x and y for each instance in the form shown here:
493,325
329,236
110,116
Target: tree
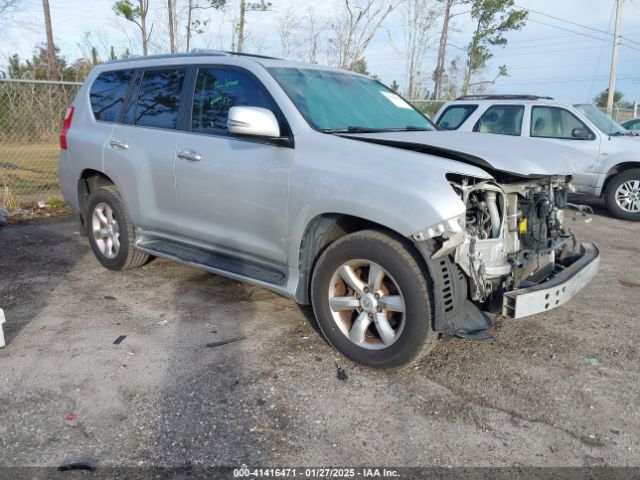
420,17
197,25
314,31
171,9
7,9
439,73
493,19
354,28
601,99
39,66
138,15
287,24
51,48
245,7
360,66
394,86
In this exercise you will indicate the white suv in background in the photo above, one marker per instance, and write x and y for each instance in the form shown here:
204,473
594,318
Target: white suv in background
611,153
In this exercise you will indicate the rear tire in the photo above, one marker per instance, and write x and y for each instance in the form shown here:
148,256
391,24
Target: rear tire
110,232
623,195
381,315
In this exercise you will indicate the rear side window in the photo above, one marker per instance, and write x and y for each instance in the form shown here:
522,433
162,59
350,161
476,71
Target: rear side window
501,119
107,94
159,98
219,89
454,116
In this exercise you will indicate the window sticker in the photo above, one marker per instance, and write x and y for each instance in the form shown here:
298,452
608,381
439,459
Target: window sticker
396,100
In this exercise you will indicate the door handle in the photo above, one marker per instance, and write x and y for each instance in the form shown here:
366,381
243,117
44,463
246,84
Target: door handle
118,145
189,155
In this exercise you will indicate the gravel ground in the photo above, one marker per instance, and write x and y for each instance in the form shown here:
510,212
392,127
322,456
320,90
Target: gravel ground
279,395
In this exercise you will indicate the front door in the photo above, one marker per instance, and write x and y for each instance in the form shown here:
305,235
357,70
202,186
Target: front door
557,125
232,193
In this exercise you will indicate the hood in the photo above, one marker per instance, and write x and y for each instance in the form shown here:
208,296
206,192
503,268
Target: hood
518,156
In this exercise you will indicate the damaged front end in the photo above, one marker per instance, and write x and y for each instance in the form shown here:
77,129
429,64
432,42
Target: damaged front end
509,254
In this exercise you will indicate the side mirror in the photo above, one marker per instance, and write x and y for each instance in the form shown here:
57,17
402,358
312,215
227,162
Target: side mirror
254,121
581,134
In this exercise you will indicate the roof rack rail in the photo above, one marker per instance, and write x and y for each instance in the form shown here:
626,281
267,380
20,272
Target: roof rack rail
196,52
234,54
502,97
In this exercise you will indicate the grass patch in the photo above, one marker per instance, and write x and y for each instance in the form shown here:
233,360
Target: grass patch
28,173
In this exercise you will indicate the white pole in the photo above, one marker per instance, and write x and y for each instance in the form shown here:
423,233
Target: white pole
614,58
1,332
635,109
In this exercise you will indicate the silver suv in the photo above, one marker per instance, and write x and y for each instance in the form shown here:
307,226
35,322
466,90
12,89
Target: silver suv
324,186
610,166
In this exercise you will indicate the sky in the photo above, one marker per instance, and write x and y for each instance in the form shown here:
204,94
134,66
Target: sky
541,59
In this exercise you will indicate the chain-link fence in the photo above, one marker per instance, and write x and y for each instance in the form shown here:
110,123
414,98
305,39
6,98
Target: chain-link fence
31,114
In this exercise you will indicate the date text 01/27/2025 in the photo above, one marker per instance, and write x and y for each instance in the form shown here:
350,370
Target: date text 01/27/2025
315,473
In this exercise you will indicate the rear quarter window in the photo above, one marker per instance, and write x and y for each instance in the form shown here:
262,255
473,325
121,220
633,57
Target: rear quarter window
107,94
454,116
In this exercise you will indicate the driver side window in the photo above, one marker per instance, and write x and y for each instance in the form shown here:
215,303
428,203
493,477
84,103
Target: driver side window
554,122
216,91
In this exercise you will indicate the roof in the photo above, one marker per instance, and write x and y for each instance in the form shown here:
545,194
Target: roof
201,53
502,97
196,52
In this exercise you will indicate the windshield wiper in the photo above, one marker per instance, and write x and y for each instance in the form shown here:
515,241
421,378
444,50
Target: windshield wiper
352,129
359,129
620,134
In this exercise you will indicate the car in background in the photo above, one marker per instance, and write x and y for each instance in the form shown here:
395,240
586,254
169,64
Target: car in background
632,125
611,154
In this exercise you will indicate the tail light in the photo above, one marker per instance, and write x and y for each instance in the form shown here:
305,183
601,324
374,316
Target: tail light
65,128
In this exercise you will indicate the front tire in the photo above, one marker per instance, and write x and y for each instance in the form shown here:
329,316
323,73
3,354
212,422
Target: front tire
371,299
623,195
110,232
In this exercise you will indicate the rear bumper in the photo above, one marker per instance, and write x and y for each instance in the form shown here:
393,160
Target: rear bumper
555,291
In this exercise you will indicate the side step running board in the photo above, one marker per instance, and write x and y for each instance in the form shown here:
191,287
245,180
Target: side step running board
210,261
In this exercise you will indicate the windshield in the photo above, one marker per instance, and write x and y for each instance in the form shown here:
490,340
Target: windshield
604,123
336,101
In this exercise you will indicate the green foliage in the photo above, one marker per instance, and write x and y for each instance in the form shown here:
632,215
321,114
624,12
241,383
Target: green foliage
126,9
360,66
395,86
493,19
260,6
601,99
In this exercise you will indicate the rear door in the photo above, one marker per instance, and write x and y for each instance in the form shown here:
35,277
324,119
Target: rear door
232,192
140,153
501,120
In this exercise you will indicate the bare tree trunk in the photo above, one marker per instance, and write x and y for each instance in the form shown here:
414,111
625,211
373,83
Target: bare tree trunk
243,11
467,72
51,48
172,37
189,12
442,51
144,8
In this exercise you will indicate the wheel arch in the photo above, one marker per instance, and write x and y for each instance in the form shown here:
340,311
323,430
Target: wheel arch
615,170
88,182
324,229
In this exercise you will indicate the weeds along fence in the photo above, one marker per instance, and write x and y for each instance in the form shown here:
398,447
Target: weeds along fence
31,115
